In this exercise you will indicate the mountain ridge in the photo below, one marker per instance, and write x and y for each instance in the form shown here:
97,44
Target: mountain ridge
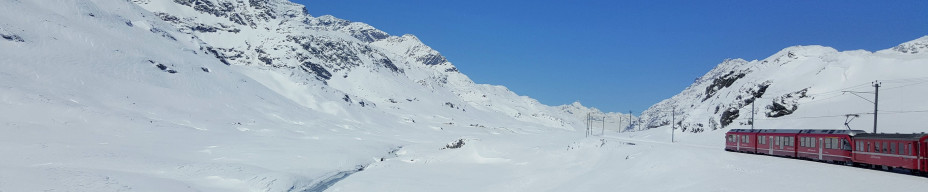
786,81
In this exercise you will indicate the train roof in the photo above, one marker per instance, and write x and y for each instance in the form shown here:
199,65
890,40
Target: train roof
779,130
893,136
802,131
743,130
832,131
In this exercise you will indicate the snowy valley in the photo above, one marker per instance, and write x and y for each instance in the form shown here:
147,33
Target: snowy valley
259,95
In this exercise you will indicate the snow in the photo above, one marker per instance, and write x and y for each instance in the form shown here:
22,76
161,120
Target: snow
84,106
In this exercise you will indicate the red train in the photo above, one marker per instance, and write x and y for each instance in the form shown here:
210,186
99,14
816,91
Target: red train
852,147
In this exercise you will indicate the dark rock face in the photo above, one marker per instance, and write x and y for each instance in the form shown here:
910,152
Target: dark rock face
163,67
455,145
729,116
786,104
11,37
722,82
316,69
432,59
387,63
370,35
225,55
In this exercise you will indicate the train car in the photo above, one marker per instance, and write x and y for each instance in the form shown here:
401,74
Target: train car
826,145
741,140
907,151
777,142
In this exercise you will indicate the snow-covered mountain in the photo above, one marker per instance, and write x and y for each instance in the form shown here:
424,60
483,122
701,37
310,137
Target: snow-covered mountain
279,44
806,87
220,95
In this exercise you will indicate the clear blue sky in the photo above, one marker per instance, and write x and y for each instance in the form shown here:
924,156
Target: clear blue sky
625,55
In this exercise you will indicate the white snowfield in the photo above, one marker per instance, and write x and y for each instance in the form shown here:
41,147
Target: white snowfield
102,95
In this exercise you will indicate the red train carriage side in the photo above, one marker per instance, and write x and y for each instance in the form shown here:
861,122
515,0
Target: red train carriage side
777,142
907,151
741,140
826,145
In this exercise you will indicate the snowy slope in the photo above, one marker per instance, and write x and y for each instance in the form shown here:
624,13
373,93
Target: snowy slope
216,95
103,96
109,96
805,87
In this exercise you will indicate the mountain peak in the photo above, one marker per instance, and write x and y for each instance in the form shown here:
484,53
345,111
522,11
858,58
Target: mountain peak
800,51
917,46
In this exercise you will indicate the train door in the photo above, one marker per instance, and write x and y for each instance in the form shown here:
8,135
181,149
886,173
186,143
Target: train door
781,141
821,142
738,142
923,148
771,142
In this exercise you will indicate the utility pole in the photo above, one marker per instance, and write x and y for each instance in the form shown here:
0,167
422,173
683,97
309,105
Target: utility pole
752,114
587,130
673,124
603,132
876,102
629,119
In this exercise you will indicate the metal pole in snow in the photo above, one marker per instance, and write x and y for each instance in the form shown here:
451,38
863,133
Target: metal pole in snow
876,102
673,124
629,120
752,113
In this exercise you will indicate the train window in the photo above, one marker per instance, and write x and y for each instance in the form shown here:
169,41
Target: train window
869,148
901,149
876,147
845,145
802,141
892,148
827,143
813,141
835,144
908,149
885,147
